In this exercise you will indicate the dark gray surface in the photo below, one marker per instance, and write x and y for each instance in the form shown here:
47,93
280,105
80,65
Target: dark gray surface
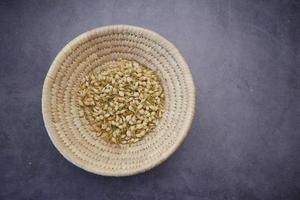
245,139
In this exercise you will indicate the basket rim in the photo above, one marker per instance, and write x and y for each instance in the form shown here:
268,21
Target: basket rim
46,91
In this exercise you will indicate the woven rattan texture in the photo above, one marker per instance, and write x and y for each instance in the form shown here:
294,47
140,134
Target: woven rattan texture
74,137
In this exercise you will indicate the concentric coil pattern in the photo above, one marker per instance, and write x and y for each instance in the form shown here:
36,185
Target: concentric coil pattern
75,138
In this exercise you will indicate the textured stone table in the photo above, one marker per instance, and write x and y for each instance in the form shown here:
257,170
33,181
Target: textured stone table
245,139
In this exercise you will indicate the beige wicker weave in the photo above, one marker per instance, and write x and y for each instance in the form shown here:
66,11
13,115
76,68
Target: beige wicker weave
72,135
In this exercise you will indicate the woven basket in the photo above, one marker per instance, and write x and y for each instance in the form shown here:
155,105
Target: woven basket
72,135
